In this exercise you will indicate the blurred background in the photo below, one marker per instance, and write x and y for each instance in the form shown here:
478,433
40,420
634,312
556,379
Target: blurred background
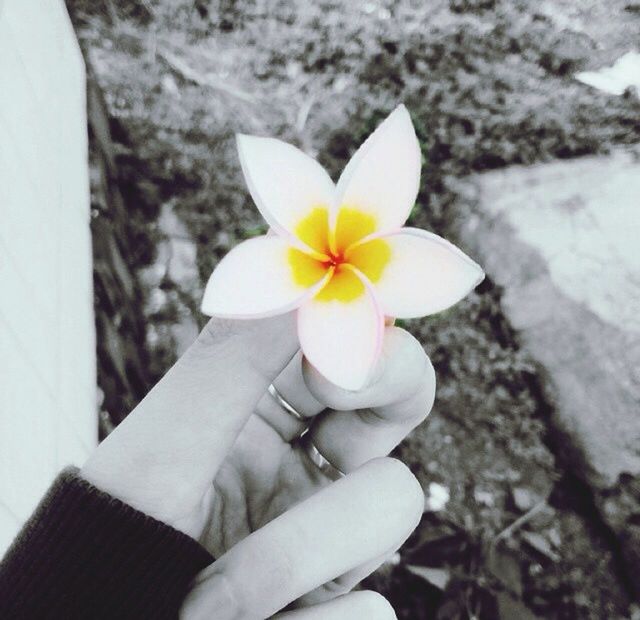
528,115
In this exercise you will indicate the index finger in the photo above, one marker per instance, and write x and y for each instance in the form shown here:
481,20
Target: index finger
162,458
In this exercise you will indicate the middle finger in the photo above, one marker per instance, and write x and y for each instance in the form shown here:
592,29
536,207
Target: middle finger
350,428
369,423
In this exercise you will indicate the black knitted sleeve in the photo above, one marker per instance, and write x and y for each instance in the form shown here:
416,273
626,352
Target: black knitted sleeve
84,554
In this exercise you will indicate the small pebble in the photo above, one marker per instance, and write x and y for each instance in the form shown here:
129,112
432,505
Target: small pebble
484,498
437,497
524,499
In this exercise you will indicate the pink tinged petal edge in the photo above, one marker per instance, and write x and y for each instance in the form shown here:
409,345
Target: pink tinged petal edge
254,281
342,340
426,274
383,176
284,182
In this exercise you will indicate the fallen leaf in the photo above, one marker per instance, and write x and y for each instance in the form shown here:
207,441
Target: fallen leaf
438,577
540,544
504,564
511,609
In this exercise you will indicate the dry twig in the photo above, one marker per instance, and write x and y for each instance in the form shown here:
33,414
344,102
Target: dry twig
191,75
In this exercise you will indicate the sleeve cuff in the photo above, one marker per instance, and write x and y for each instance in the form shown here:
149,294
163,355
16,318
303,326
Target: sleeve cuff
86,554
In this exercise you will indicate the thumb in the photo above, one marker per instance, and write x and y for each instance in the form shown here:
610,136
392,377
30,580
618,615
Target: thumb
162,458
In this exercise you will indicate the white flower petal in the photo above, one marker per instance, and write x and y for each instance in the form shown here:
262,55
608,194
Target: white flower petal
285,183
383,176
425,274
255,280
342,340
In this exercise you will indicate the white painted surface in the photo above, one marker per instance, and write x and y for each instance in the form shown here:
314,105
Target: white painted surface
47,338
622,74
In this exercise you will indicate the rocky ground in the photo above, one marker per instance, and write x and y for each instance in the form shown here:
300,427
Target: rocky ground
489,84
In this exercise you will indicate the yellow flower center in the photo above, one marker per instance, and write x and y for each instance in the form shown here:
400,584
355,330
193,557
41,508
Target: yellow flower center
340,253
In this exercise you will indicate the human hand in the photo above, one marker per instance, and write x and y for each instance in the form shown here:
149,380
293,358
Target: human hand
210,452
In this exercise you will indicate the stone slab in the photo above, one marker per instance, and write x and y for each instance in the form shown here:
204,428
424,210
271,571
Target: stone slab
563,239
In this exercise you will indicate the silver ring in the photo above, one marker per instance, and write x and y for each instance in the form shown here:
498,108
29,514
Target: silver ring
318,459
288,407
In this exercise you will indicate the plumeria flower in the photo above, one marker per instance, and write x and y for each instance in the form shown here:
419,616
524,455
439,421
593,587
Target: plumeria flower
337,253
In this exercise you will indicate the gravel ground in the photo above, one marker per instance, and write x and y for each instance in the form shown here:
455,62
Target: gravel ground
489,84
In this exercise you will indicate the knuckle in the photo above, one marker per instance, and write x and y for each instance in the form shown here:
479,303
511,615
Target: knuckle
426,393
213,593
405,347
283,565
324,391
374,606
410,378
